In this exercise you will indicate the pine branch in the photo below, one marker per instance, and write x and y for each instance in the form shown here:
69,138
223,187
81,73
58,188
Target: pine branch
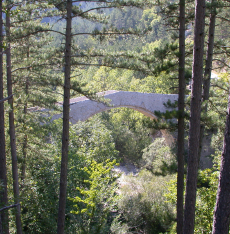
33,66
218,86
96,8
27,20
223,19
8,207
98,33
38,31
21,68
122,3
215,107
134,68
222,62
5,99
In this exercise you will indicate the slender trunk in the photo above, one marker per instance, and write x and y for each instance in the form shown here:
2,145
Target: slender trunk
12,130
221,219
24,152
195,111
208,69
24,144
4,226
65,133
1,231
180,137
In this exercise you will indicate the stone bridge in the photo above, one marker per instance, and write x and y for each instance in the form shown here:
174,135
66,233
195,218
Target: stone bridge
82,108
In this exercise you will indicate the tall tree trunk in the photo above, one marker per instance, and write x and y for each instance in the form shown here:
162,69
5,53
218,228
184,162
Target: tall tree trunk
25,139
208,68
180,137
65,133
12,130
4,226
221,219
195,111
1,231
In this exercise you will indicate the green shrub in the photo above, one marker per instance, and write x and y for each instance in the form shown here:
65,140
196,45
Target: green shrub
158,158
142,206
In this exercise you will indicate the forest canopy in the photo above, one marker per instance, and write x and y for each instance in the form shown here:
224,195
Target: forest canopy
115,172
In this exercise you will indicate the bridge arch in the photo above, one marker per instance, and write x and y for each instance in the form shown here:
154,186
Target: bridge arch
82,108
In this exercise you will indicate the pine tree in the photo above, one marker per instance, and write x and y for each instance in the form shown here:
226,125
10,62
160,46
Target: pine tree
208,69
33,86
12,125
32,77
181,121
195,112
221,218
65,133
4,226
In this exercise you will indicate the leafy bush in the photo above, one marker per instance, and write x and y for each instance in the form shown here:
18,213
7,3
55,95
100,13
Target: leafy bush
142,206
129,135
158,158
205,200
94,205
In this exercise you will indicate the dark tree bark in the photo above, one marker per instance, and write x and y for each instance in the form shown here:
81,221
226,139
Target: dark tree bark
65,133
208,68
4,226
12,130
1,231
180,137
221,219
195,111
